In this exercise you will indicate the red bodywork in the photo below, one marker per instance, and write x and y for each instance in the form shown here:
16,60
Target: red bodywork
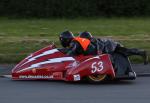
50,63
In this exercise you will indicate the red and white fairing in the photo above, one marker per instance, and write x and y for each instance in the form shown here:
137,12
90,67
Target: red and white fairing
51,64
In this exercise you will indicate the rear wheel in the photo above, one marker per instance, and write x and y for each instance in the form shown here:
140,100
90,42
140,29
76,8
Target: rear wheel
97,78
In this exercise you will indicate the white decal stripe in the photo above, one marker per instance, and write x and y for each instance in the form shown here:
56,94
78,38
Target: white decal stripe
97,57
43,54
55,60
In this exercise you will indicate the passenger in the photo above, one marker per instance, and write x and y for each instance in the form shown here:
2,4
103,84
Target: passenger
110,46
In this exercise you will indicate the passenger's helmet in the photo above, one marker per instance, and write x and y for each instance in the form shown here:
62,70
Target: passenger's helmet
65,38
86,35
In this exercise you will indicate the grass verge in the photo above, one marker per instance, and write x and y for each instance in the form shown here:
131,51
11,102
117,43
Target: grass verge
20,37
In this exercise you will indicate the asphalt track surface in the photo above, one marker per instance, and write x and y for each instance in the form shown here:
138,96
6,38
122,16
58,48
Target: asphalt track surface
136,91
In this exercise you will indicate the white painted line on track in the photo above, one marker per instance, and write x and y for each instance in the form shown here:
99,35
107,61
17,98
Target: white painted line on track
6,76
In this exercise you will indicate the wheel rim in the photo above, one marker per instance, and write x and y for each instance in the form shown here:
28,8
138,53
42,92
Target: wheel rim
97,77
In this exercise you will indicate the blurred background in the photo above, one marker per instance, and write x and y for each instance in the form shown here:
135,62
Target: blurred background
29,25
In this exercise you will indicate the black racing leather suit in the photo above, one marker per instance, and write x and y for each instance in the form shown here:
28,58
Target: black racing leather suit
110,46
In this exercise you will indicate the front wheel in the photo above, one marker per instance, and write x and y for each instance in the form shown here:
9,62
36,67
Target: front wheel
96,78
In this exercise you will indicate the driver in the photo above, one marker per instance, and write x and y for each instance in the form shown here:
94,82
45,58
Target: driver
76,45
65,38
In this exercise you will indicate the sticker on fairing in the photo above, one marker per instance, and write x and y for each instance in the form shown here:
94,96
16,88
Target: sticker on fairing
97,67
76,77
35,77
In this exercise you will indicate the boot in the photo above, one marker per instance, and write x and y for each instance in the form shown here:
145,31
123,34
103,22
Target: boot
145,57
142,53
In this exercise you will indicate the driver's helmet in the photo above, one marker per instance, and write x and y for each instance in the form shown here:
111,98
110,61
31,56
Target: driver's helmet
86,35
65,38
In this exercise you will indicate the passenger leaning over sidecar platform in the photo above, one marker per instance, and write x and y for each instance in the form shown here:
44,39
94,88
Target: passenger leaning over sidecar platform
76,45
110,46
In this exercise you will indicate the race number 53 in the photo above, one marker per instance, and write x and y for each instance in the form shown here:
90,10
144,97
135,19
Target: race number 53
97,67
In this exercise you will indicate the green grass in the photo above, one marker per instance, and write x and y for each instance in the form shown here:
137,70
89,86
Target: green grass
20,37
52,27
